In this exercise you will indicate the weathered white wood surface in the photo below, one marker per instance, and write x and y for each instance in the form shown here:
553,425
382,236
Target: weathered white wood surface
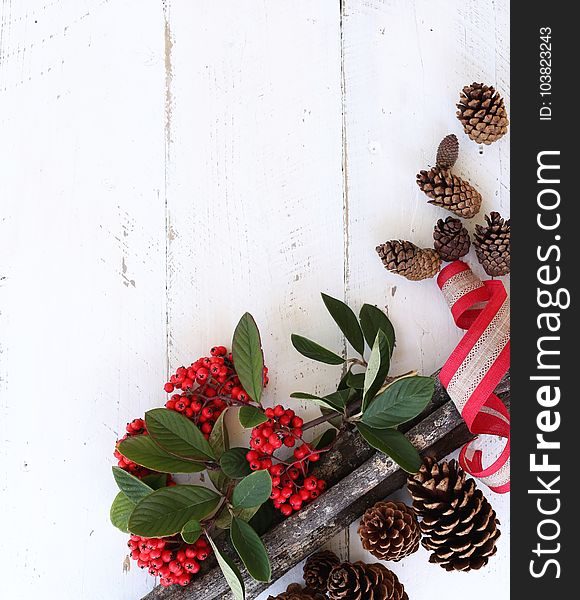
169,165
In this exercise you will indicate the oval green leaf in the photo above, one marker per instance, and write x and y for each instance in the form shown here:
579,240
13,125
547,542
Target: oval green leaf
251,550
219,479
231,572
248,357
347,321
191,531
324,440
145,452
218,438
251,416
155,480
166,511
377,369
372,319
315,351
120,512
252,490
234,463
394,444
399,403
130,485
175,433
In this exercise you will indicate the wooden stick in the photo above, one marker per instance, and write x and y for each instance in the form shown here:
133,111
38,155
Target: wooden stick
361,476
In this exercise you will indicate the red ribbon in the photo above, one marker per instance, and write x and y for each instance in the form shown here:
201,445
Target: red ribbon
477,365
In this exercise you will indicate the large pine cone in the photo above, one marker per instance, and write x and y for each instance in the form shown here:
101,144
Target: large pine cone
390,531
451,239
492,245
450,192
297,592
359,581
317,569
482,113
408,260
459,525
448,151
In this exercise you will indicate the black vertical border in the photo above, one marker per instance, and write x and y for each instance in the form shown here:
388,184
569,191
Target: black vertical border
529,136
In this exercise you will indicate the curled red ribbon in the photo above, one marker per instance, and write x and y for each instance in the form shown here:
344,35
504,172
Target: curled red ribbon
477,365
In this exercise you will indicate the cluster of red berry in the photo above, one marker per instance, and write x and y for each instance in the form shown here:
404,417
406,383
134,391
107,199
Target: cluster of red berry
207,387
135,427
292,487
169,558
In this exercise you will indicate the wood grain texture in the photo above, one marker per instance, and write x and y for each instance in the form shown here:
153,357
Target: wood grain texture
167,166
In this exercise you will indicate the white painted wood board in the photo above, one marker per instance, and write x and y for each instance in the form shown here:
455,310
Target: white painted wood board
169,165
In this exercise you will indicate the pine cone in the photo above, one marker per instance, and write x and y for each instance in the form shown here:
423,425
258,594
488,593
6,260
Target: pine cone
297,592
459,525
408,260
451,239
359,581
492,245
482,113
317,569
448,151
450,192
390,531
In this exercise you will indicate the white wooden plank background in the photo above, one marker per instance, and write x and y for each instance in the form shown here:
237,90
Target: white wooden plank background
166,166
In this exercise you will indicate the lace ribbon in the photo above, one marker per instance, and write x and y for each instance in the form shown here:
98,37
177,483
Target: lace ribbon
478,364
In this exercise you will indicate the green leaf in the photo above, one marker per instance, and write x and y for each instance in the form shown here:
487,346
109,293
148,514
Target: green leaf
218,438
251,416
372,320
252,490
224,520
377,369
355,381
191,531
324,440
175,433
336,420
155,480
234,463
347,321
219,479
120,512
145,452
315,351
166,511
130,485
231,572
400,402
248,357
394,444
335,401
262,520
251,550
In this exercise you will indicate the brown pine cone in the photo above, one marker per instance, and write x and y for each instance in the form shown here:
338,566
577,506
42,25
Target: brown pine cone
451,239
450,192
448,151
482,113
459,525
317,569
408,260
359,581
492,245
297,592
390,531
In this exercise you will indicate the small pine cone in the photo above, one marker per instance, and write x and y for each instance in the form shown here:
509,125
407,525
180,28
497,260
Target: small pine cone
390,531
451,239
297,592
482,113
317,569
459,525
492,245
448,151
359,581
408,260
450,192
